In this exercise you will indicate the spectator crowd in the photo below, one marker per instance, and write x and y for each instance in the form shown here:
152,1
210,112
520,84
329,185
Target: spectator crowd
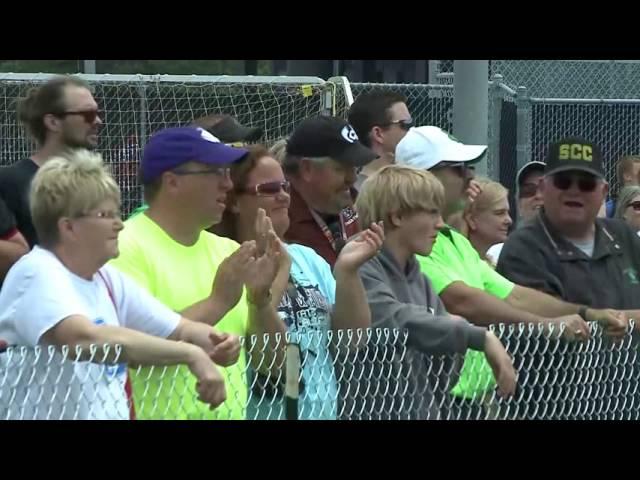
369,222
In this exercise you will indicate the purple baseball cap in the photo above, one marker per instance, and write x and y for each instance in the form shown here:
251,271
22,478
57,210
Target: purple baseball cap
172,147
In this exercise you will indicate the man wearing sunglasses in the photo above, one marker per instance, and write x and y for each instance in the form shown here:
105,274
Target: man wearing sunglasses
380,118
528,194
59,115
468,286
528,198
569,253
566,250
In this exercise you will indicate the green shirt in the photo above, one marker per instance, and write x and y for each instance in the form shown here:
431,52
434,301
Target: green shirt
180,276
454,259
139,210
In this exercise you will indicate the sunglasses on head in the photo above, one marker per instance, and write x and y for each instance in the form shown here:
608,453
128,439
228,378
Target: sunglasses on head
89,116
635,205
586,183
267,189
404,124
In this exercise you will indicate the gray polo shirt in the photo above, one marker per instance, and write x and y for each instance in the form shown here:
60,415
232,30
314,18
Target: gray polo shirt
537,256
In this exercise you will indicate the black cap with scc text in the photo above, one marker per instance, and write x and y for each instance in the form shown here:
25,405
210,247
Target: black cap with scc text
333,137
574,153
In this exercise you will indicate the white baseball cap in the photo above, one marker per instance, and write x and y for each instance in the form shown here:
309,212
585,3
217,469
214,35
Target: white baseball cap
425,147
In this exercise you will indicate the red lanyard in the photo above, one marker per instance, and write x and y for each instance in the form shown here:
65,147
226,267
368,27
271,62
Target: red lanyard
127,384
327,231
348,219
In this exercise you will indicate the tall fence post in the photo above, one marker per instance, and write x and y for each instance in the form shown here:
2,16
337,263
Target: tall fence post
523,115
495,114
434,70
470,104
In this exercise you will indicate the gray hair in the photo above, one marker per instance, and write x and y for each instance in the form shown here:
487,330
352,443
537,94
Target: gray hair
626,196
291,163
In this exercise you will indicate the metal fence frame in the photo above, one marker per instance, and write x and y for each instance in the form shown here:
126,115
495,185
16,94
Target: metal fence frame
377,375
534,134
141,104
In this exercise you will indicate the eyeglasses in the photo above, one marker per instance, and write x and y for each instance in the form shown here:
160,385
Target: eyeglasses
635,205
586,183
267,189
103,215
88,115
528,190
219,171
404,124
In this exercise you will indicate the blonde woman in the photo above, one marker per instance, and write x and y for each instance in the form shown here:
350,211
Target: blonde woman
62,294
486,221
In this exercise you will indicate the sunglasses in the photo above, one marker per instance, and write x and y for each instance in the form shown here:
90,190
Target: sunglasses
404,124
88,115
461,168
528,190
267,189
586,183
635,205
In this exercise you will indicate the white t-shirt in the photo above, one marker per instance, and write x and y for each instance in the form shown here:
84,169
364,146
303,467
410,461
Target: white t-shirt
39,292
493,254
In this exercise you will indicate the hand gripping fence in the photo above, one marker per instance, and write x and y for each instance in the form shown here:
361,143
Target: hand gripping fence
372,374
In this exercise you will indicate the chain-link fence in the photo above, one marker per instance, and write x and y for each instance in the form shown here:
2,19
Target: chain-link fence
371,374
520,126
613,124
428,104
572,78
135,106
433,105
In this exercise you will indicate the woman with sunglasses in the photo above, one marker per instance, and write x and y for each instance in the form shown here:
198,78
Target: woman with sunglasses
628,207
311,300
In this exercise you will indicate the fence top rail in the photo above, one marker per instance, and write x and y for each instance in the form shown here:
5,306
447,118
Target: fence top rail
510,91
106,77
586,101
427,86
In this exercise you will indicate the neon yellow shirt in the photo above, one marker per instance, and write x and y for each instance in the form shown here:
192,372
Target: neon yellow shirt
454,259
180,276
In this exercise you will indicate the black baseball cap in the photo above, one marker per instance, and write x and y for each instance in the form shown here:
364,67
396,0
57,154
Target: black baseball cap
333,137
533,166
228,129
574,153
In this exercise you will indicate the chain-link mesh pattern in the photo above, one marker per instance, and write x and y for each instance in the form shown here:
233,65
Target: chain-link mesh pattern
138,106
572,78
433,105
428,104
369,374
613,126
